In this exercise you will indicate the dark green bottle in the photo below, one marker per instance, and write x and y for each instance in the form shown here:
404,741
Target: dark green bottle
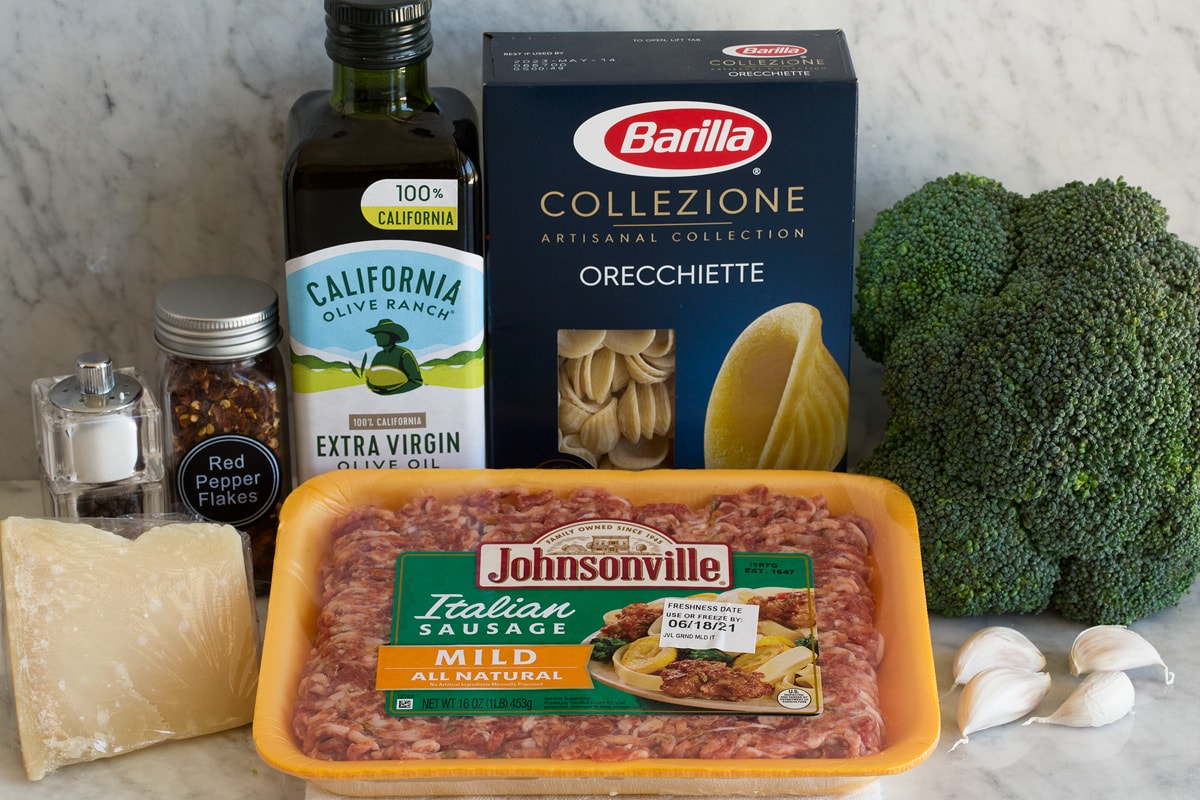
383,223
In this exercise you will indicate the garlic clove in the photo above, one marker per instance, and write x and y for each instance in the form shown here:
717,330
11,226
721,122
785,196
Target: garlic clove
1111,648
995,646
997,696
1102,698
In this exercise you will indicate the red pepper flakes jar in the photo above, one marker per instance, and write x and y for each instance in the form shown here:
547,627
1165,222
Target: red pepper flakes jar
224,396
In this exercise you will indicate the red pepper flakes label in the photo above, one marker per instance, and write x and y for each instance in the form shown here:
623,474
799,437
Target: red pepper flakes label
232,479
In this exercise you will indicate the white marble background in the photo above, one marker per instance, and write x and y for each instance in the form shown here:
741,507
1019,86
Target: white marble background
140,141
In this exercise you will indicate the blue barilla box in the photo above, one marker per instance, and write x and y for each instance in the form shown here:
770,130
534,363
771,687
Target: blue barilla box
670,238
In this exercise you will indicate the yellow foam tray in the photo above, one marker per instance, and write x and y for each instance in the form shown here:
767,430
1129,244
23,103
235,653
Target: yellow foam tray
908,690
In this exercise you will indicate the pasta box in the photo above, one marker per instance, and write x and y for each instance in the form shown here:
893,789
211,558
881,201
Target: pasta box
670,236
596,632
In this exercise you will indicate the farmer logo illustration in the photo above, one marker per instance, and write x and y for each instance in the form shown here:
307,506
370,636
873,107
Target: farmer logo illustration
394,368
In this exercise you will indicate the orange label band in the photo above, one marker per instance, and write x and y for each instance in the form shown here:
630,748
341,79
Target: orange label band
562,666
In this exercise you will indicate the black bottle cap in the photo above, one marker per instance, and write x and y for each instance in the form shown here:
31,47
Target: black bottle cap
377,34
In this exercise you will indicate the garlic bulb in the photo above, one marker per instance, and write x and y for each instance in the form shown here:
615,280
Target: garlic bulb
995,646
997,696
1101,698
1110,648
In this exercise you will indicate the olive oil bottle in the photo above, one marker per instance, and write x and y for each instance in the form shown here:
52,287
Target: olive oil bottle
383,224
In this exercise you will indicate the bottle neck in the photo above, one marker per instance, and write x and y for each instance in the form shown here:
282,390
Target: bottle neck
398,92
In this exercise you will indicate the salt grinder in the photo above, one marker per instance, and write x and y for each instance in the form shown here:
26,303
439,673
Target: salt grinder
98,434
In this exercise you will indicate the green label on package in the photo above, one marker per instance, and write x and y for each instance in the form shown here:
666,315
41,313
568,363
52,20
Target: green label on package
602,617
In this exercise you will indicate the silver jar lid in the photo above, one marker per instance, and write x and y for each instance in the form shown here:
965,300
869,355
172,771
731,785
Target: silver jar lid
217,318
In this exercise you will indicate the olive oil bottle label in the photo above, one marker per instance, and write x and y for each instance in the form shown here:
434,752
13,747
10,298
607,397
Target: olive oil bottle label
387,352
418,205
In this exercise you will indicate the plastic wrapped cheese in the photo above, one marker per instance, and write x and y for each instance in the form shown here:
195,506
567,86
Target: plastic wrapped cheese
118,643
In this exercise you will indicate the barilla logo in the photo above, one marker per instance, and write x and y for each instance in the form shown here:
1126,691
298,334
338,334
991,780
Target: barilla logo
672,138
604,552
765,50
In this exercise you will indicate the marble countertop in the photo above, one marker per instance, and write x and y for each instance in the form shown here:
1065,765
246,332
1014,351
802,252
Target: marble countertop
127,127
1152,753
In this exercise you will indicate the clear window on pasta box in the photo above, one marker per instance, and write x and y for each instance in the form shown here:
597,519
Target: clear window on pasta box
616,396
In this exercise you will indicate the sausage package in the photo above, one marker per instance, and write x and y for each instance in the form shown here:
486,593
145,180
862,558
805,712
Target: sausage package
691,632
670,239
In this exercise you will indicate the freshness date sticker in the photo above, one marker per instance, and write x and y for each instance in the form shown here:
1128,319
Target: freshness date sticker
707,624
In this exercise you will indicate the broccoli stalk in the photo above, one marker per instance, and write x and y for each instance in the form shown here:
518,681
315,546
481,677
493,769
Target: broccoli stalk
1042,365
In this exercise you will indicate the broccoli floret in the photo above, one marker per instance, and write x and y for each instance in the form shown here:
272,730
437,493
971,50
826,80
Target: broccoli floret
977,557
1152,571
1051,423
688,654
811,643
603,647
1060,227
952,237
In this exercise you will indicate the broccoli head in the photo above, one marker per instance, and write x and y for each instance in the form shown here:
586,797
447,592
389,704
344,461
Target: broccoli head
1057,411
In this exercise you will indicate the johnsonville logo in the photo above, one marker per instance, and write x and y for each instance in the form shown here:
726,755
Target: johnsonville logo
598,553
765,50
672,138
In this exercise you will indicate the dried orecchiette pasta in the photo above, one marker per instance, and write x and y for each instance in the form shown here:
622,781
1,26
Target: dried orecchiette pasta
616,396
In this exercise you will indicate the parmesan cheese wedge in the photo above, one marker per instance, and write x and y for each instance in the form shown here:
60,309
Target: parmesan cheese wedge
116,644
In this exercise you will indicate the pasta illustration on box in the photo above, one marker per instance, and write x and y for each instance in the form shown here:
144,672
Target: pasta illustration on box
780,401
